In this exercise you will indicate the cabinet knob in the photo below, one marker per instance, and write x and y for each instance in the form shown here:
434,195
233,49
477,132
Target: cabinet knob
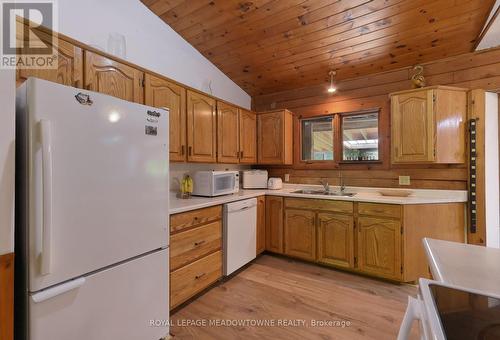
199,276
197,244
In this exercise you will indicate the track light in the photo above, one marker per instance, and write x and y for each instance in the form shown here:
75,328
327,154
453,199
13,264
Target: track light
332,87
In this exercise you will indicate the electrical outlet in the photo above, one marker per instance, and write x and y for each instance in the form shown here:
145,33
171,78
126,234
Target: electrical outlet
404,180
287,177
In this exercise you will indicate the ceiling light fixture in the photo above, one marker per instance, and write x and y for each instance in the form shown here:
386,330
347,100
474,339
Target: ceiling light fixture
332,87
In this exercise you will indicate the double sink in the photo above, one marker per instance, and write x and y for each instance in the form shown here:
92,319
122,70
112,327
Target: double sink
324,192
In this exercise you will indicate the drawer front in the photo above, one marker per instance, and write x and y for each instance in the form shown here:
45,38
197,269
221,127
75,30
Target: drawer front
179,222
380,209
193,278
318,204
193,244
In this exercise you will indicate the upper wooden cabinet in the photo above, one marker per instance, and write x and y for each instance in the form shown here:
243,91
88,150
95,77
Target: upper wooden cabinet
111,77
228,133
275,137
248,137
201,128
69,69
164,94
428,125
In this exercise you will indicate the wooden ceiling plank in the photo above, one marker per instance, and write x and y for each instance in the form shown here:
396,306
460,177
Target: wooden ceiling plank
293,10
221,13
411,44
326,46
404,39
280,26
159,7
433,53
359,16
173,15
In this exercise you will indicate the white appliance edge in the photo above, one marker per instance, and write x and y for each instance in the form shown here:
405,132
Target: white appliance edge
93,203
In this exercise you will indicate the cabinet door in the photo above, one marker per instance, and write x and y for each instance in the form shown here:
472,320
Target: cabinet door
336,239
300,233
274,224
111,77
164,94
69,69
379,247
248,137
413,127
201,128
228,133
270,131
261,224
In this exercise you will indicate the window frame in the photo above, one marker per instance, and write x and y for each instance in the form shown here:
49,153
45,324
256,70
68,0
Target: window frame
338,153
341,137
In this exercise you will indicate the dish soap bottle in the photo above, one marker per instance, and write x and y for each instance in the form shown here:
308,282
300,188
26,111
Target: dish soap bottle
186,186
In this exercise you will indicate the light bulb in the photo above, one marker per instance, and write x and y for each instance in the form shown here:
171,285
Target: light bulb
331,89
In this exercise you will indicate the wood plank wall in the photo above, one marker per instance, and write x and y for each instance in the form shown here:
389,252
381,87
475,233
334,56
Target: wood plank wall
7,297
471,70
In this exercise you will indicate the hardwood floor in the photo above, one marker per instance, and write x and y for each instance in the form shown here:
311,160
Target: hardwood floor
275,288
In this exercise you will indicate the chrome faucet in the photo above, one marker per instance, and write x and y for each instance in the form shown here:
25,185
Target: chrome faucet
325,184
341,181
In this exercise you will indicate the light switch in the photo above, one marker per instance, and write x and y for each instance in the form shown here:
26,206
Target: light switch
404,180
287,177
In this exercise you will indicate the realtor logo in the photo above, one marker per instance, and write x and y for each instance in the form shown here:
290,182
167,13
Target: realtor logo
27,39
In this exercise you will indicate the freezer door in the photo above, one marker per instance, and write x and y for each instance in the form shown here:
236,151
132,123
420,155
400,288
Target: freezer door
98,181
126,302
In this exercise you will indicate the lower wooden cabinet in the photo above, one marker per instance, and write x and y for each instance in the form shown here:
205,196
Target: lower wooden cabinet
7,296
274,224
261,224
336,239
300,233
195,252
195,277
379,247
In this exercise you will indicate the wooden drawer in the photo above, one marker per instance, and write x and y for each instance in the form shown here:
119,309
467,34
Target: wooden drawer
318,204
193,278
193,244
380,209
179,222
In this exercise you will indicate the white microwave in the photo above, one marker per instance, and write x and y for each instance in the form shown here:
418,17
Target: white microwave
215,183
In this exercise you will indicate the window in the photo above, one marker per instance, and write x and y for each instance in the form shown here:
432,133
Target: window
360,137
317,139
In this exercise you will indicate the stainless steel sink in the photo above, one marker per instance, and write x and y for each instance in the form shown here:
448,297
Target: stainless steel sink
326,193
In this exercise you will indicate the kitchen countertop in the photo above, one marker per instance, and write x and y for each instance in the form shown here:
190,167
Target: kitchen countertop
419,196
464,265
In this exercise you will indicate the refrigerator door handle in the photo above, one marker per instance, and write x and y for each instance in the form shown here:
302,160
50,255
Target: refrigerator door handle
46,141
58,290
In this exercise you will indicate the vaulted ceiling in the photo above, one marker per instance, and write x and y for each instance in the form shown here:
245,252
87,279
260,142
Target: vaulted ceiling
267,46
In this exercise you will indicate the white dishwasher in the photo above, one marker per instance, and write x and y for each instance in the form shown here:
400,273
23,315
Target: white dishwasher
240,228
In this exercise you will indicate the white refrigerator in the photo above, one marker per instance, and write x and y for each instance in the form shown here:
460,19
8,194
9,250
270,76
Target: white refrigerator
91,216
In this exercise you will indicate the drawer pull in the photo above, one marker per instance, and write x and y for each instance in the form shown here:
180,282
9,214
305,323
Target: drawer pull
199,276
196,244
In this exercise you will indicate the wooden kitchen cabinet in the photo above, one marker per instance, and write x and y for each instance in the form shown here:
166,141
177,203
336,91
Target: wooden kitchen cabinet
201,128
195,252
228,133
379,247
336,239
274,224
69,69
159,92
261,224
248,137
428,125
111,77
300,233
275,137
7,296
